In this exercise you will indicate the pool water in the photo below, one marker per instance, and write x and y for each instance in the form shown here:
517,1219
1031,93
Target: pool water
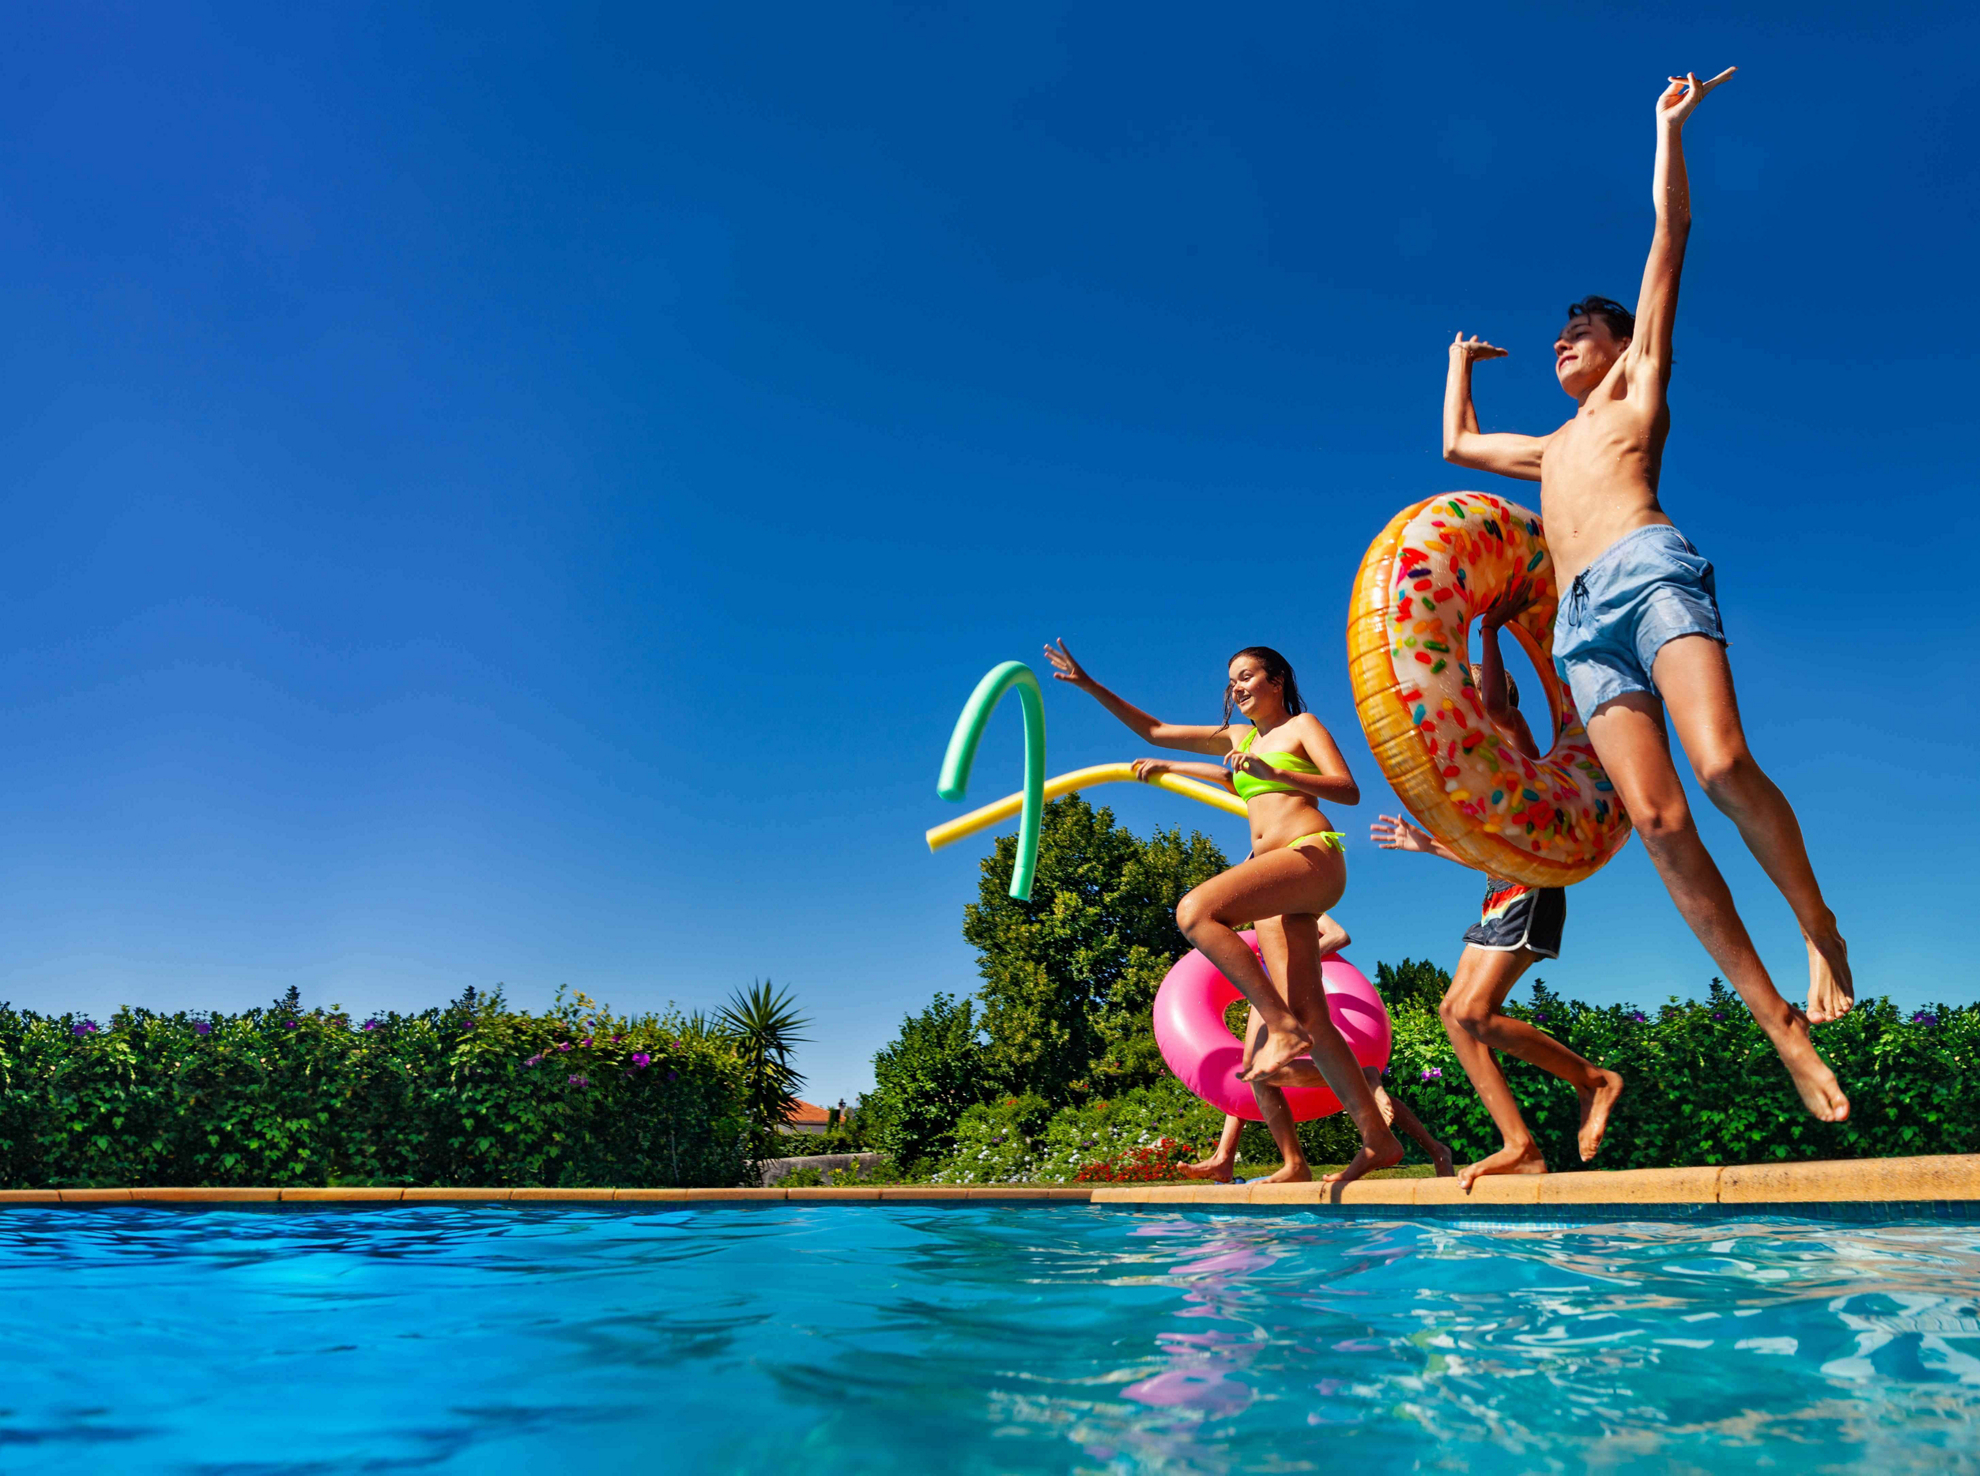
976,1338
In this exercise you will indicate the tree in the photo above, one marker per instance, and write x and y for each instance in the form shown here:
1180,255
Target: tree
1069,978
764,1024
923,1080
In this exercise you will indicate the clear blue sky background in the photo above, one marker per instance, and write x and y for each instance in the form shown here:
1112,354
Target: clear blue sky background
520,494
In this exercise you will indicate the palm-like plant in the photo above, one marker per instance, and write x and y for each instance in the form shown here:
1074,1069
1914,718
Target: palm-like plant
764,1023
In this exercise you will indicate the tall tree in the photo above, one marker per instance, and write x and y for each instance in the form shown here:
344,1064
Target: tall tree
1069,978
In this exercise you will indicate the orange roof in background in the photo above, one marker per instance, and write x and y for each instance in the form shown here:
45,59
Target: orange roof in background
807,1112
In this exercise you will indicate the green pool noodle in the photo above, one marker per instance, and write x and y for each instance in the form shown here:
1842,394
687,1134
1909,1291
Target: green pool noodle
962,754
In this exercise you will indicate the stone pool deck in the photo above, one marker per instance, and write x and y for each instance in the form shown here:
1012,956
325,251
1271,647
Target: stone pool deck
1950,1179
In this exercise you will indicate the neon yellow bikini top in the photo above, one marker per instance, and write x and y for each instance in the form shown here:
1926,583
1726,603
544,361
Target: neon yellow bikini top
1247,786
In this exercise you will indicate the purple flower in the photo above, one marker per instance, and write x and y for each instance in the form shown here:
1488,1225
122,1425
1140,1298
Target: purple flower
563,1045
535,1060
288,1024
369,1025
1717,1016
1541,1018
579,1081
202,1027
1926,1018
586,1041
84,1027
1638,1016
641,1060
1432,1071
672,1074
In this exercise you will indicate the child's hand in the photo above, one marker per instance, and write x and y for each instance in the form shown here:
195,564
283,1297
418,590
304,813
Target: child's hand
1508,607
1149,770
1684,94
1393,833
1252,764
1474,348
1065,668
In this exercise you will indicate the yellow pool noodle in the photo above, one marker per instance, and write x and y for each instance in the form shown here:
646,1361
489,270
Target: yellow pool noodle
1010,804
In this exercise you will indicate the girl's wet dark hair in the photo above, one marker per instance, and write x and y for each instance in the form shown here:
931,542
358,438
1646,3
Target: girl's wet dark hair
1277,669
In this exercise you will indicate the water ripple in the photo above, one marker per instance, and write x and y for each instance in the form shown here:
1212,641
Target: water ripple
976,1338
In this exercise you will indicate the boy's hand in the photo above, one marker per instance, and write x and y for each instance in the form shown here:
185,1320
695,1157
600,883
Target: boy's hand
1474,348
1684,94
1393,833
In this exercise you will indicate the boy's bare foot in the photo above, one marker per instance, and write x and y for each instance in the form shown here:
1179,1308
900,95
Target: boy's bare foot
1514,1158
1820,1092
1595,1105
1280,1050
1210,1168
1831,989
1385,1152
1292,1173
1440,1159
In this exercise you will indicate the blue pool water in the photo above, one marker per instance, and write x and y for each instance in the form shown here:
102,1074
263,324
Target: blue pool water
976,1338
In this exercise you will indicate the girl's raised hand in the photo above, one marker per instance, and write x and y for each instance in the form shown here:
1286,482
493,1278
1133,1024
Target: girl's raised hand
1065,668
1393,833
1149,770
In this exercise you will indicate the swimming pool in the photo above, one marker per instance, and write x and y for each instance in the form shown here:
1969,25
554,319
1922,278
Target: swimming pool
976,1338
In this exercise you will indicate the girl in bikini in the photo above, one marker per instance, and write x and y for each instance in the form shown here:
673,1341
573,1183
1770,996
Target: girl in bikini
1281,765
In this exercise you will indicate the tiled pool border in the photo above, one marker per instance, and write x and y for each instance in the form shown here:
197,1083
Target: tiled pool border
1941,1187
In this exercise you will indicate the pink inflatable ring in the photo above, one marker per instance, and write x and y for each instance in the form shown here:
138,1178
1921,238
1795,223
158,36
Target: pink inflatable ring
1200,1049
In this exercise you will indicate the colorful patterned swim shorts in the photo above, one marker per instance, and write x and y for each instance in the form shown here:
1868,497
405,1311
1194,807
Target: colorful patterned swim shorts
1516,916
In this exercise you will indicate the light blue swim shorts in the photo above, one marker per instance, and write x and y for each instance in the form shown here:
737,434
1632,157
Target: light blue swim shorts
1647,589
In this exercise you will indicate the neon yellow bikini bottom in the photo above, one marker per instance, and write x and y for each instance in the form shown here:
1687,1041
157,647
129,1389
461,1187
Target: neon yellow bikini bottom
1331,840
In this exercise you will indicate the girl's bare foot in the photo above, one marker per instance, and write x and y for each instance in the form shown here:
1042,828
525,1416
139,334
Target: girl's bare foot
1301,1073
1831,989
1514,1158
1820,1092
1211,1168
1280,1050
1440,1159
1292,1173
1596,1103
1385,1152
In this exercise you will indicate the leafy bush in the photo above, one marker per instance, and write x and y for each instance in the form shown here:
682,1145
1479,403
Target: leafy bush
471,1094
924,1081
1704,1084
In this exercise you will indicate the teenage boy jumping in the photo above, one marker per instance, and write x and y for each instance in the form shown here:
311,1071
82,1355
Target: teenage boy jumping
1639,619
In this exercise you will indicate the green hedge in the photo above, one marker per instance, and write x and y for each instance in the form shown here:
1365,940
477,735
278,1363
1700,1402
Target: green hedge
471,1094
1704,1084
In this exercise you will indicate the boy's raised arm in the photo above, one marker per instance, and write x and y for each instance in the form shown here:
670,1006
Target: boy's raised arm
1656,304
1464,444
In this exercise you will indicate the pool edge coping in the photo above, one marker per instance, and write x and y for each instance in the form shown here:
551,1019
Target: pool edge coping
1938,1179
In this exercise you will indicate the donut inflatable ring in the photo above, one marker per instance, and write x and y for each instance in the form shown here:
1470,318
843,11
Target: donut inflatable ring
1547,822
1200,1049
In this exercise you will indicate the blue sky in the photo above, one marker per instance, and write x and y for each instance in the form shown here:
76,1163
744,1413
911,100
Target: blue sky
520,494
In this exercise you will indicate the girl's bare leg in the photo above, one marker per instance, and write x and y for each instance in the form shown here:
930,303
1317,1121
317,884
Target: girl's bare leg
1285,1133
1331,1054
1396,1110
1222,1164
1292,881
